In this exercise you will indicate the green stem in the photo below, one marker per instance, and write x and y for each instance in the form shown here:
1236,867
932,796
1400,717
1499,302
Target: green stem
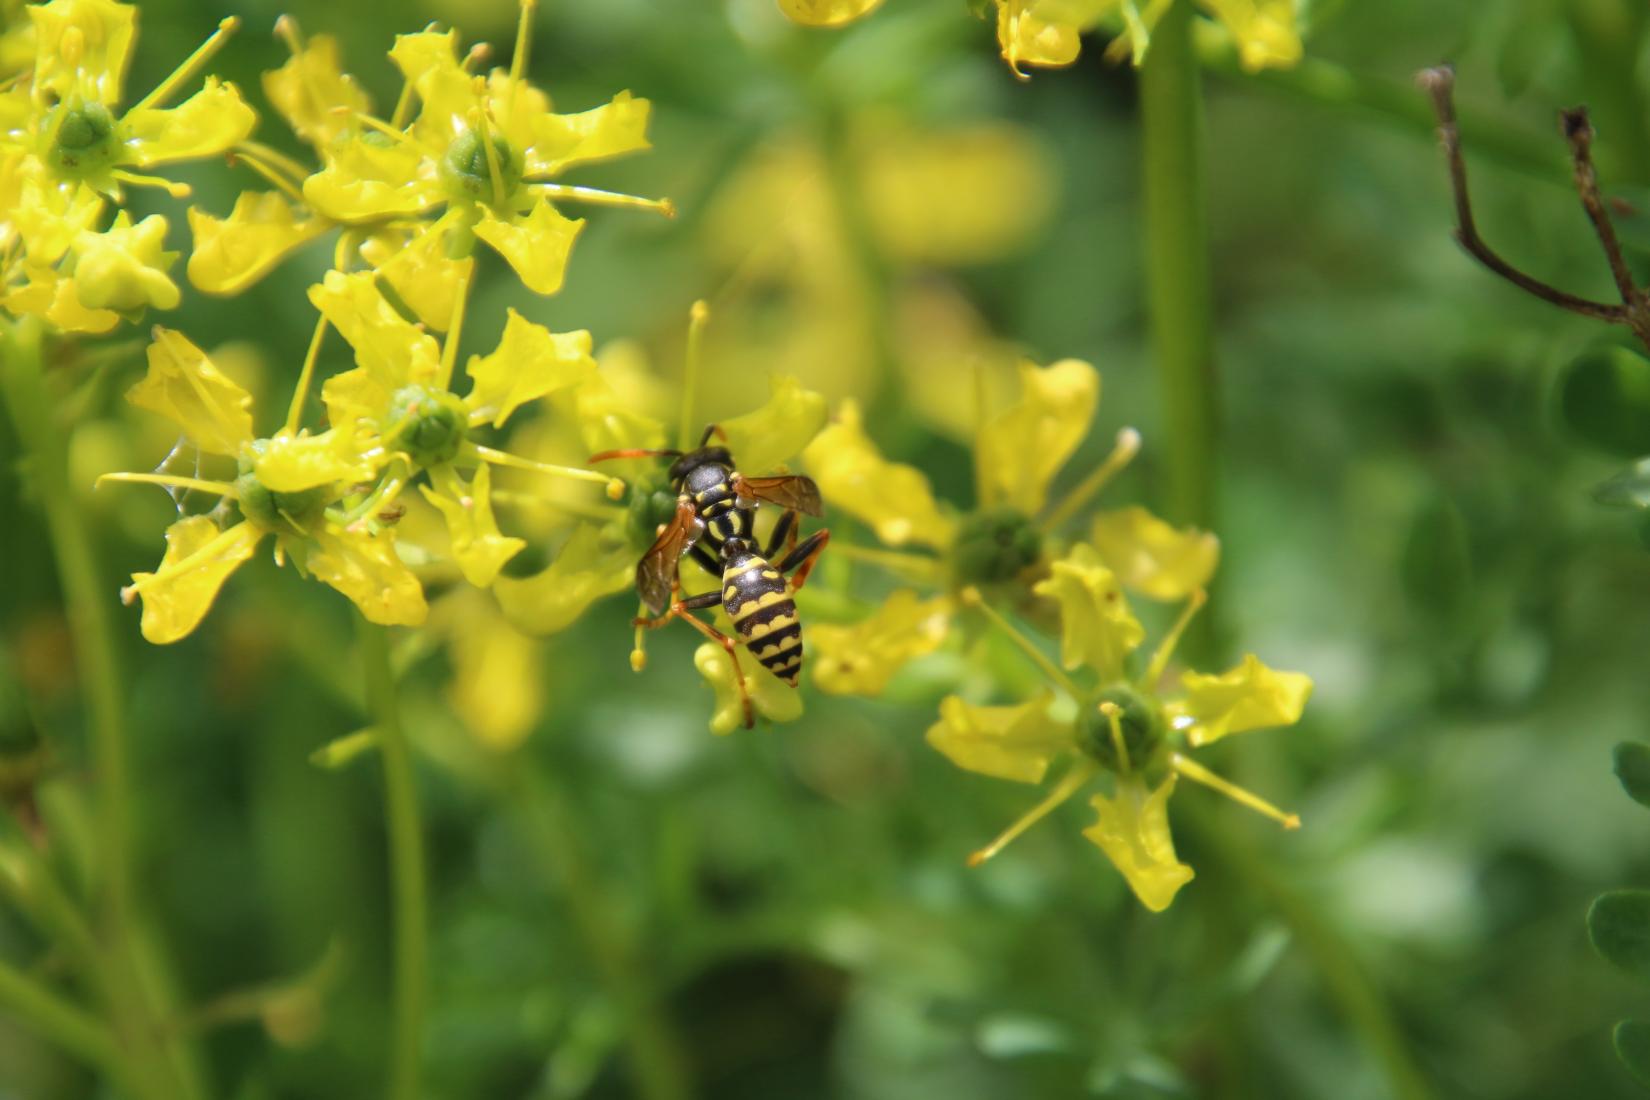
1396,103
40,1010
1347,983
409,918
137,991
1178,282
657,1056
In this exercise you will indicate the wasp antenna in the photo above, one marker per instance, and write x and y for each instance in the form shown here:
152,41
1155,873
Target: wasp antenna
605,456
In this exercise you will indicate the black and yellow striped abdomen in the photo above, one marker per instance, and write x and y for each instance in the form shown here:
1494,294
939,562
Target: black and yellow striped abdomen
758,601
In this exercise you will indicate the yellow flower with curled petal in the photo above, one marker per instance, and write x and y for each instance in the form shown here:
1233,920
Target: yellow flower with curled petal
232,253
399,417
769,698
485,149
860,658
1116,722
1004,540
124,267
827,13
214,413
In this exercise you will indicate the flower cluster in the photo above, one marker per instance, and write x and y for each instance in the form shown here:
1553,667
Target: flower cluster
1048,33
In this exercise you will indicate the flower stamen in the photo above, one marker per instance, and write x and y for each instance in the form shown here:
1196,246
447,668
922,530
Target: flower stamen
1165,648
574,473
596,197
172,187
1069,785
1122,453
300,394
1197,773
518,60
175,481
1114,716
971,596
191,64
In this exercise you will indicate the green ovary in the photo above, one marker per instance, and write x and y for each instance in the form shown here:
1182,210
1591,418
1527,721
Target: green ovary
428,425
994,546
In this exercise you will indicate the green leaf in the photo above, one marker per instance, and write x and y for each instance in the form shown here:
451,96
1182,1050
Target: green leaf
1632,1043
1619,924
1605,400
1628,489
1633,769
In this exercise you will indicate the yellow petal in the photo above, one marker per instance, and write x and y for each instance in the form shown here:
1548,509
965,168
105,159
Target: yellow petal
536,245
364,567
51,218
1133,831
288,463
1154,557
313,93
84,46
497,686
595,562
124,267
770,697
233,253
204,125
53,299
422,274
1027,37
1096,626
199,558
478,546
602,133
184,386
530,361
364,181
1248,697
763,438
1022,449
1017,742
388,346
1265,31
827,13
893,498
429,62
860,658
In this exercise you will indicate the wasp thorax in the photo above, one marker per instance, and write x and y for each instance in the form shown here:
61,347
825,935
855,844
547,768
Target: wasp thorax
993,546
1139,719
427,425
295,513
469,172
652,503
83,138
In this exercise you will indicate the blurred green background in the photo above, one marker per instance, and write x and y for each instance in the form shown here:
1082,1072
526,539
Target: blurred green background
785,912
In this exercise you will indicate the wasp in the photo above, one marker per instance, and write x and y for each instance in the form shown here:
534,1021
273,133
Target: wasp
715,522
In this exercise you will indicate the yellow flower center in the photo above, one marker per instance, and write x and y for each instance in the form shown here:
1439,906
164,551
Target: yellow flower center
428,424
481,170
1140,719
994,545
83,139
298,513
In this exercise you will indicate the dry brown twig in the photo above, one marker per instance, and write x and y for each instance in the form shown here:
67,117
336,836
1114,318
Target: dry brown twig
1634,309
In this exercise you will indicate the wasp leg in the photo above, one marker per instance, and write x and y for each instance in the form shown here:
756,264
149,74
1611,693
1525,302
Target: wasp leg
682,609
783,534
803,557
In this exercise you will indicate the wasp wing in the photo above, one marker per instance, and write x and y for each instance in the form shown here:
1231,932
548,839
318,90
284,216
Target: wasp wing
791,491
656,572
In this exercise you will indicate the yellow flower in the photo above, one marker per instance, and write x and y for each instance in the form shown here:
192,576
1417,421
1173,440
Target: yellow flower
1018,453
399,417
214,413
485,149
770,698
68,149
232,253
1121,725
860,658
827,13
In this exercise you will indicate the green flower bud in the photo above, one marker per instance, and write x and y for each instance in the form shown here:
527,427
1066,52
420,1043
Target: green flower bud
1141,721
993,546
468,174
651,502
286,513
427,424
83,139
